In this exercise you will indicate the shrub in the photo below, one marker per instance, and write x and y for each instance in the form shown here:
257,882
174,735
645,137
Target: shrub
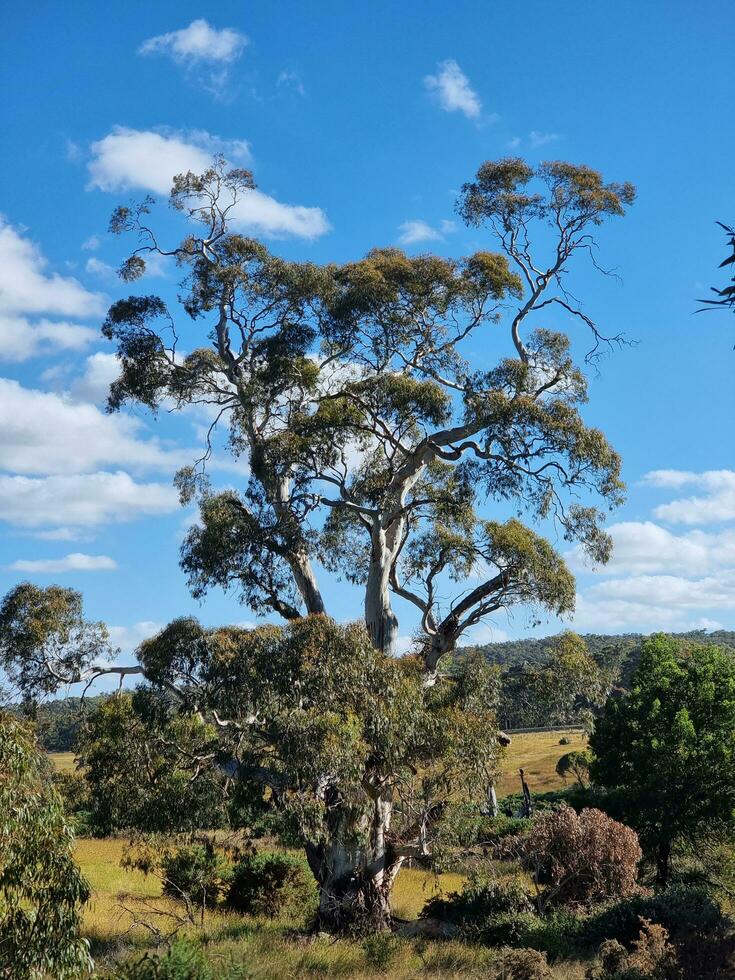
652,957
380,950
196,871
524,964
482,897
679,908
565,741
580,859
271,884
184,961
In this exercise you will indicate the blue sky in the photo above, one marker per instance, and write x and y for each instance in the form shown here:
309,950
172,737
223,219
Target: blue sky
360,122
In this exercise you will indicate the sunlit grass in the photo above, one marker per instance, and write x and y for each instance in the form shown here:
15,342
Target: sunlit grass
281,948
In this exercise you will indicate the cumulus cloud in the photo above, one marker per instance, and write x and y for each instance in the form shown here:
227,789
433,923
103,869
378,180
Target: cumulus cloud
46,433
76,562
80,500
147,160
197,43
28,287
128,638
21,339
93,385
715,503
452,90
644,546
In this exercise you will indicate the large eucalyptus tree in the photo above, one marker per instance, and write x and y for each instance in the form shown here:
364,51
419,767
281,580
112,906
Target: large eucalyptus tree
369,436
372,435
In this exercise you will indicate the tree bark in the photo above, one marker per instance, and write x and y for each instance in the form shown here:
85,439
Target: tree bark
380,620
355,870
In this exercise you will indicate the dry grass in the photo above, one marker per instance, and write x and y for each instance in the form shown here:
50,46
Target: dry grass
537,754
271,949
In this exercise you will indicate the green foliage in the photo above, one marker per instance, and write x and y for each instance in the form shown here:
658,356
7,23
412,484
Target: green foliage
196,870
380,950
576,764
39,627
667,749
483,899
557,691
272,884
139,757
41,889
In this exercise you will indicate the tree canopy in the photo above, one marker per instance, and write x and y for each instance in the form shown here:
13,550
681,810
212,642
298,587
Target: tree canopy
667,749
41,889
369,436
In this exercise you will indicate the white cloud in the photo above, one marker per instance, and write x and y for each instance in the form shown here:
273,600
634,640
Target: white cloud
76,562
21,339
513,143
196,43
127,638
100,370
538,139
96,267
91,244
646,547
417,231
84,500
717,503
43,433
452,89
27,287
128,158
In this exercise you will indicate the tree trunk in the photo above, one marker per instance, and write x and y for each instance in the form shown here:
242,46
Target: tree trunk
355,871
663,860
380,620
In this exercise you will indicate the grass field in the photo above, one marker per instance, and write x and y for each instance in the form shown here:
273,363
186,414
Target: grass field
271,949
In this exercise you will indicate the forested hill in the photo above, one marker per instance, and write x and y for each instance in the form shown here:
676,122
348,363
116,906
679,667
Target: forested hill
609,650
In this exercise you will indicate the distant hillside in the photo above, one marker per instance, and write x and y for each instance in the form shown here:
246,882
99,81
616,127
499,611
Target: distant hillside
617,651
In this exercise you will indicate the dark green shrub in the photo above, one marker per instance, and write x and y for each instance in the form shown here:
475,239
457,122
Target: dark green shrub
271,884
679,908
482,897
197,872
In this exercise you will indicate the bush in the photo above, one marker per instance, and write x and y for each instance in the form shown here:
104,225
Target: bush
565,741
652,957
380,950
271,884
524,964
482,897
581,859
184,961
197,872
680,909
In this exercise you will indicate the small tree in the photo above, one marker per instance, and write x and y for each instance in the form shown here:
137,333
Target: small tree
667,749
41,889
576,763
